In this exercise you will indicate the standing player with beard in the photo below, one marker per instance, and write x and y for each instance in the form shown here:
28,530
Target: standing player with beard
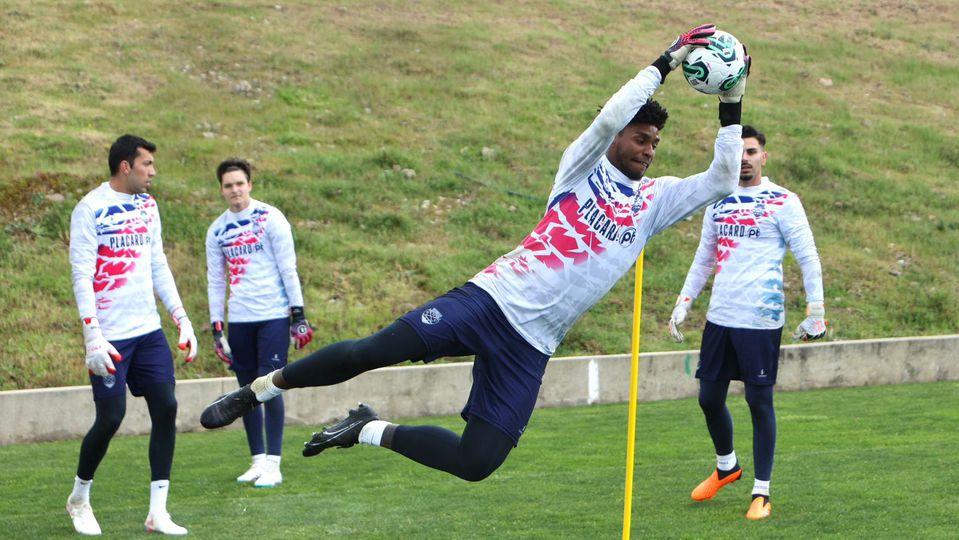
600,213
745,237
252,244
116,252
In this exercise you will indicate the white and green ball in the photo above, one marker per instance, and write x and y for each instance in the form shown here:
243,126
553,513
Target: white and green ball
717,67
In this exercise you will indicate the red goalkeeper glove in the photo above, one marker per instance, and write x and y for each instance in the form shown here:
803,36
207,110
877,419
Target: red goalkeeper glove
301,332
220,345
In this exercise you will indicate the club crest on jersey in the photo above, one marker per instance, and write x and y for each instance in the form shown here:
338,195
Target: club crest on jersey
431,316
759,210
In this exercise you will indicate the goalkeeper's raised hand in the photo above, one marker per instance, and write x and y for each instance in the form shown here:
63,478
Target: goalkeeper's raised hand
695,37
100,354
814,327
736,93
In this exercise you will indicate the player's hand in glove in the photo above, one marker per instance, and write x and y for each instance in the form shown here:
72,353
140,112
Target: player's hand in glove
301,332
100,354
187,340
220,345
814,327
736,93
695,37
678,317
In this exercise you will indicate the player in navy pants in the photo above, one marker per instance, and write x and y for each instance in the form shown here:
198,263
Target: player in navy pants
513,314
117,261
744,237
249,248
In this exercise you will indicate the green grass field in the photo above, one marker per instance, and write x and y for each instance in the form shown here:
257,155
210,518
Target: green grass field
870,462
331,101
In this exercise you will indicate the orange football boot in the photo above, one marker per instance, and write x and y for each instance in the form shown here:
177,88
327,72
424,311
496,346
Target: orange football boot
710,486
760,508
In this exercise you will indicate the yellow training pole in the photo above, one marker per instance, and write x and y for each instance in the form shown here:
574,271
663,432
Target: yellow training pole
633,390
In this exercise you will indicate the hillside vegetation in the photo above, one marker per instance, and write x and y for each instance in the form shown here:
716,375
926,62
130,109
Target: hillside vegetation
411,143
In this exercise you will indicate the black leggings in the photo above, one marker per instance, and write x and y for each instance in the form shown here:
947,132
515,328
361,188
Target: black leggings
712,400
472,457
344,360
110,412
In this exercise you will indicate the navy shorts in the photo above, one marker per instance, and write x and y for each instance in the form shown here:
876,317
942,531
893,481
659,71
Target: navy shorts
507,370
261,346
739,354
145,360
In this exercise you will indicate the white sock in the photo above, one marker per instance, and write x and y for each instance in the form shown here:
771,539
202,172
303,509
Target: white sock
727,462
372,432
259,459
273,460
264,388
158,492
81,490
761,487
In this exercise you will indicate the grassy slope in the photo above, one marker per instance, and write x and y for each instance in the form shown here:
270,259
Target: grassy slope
331,101
851,463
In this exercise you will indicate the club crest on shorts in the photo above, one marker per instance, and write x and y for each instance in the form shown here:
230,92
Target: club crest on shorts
109,380
431,316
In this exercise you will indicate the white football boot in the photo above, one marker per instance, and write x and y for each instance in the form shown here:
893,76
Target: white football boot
254,472
83,520
162,523
271,475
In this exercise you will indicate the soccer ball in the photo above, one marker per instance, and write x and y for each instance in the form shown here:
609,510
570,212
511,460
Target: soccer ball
718,66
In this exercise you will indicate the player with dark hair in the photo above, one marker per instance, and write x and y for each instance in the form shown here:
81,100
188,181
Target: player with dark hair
744,237
601,211
251,243
116,253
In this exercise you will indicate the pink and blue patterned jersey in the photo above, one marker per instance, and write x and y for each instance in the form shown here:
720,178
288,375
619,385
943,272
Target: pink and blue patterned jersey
597,221
744,237
117,259
254,250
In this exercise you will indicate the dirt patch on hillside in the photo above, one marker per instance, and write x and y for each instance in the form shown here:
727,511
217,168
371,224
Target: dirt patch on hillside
23,200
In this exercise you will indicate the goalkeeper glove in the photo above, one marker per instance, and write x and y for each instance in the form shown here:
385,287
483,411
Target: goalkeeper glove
301,332
187,340
99,350
814,327
220,345
678,317
695,37
736,93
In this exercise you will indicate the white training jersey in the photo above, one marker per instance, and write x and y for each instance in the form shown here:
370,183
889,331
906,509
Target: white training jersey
745,237
597,221
254,248
117,259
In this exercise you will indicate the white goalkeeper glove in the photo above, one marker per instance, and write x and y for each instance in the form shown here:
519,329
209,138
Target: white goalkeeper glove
187,340
99,350
814,327
695,37
736,93
678,317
